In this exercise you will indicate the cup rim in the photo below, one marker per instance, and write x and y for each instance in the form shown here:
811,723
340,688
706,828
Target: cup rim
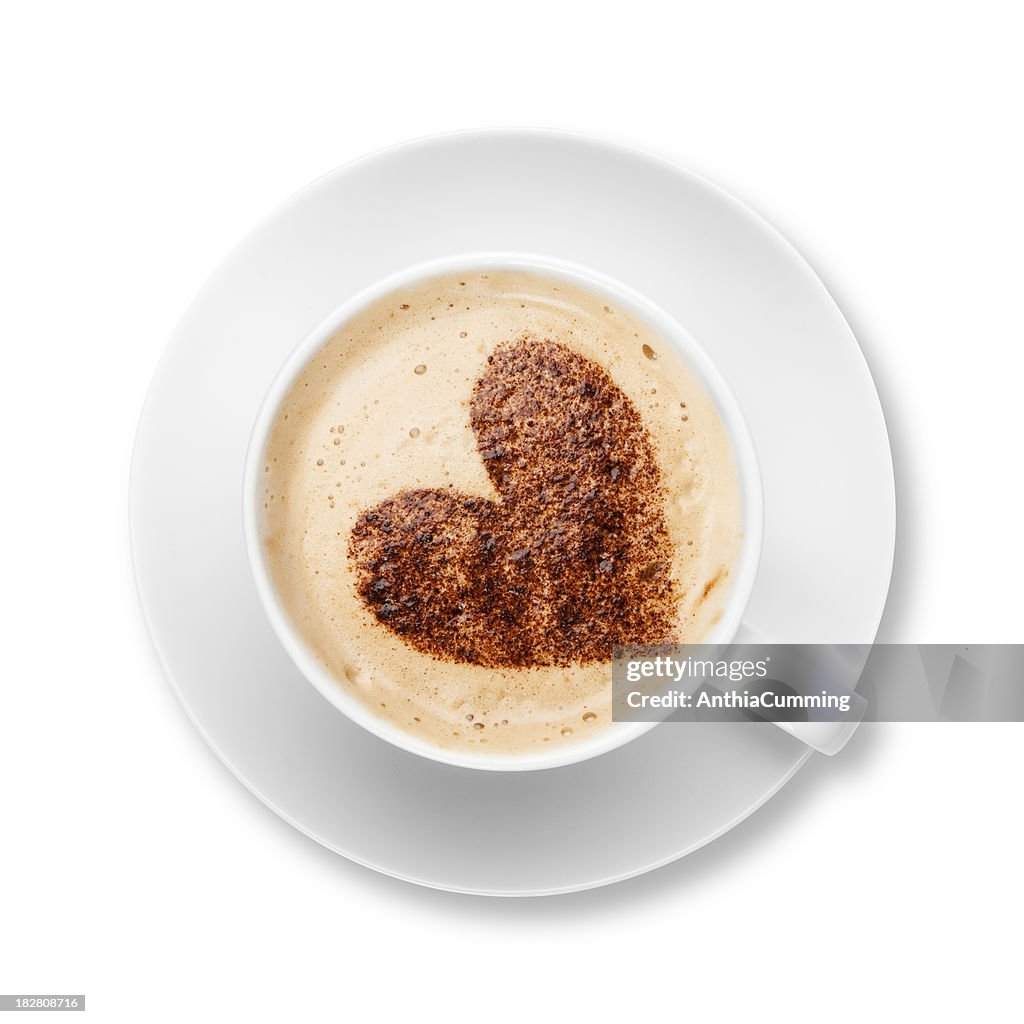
744,569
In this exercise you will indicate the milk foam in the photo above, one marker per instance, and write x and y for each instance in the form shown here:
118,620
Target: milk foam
384,407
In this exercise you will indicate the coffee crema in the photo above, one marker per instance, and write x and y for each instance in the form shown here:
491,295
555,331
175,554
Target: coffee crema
481,484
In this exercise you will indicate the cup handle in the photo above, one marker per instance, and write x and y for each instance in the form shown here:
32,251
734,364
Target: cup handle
837,661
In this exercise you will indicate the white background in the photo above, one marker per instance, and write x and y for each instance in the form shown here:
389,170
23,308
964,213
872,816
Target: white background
138,146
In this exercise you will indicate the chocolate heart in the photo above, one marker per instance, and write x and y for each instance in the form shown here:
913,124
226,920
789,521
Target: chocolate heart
572,559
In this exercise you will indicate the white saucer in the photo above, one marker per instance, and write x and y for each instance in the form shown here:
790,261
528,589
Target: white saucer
727,276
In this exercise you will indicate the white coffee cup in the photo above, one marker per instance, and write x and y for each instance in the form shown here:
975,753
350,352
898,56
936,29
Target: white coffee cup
743,570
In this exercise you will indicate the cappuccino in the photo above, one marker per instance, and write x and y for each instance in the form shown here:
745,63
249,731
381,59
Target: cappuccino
477,487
